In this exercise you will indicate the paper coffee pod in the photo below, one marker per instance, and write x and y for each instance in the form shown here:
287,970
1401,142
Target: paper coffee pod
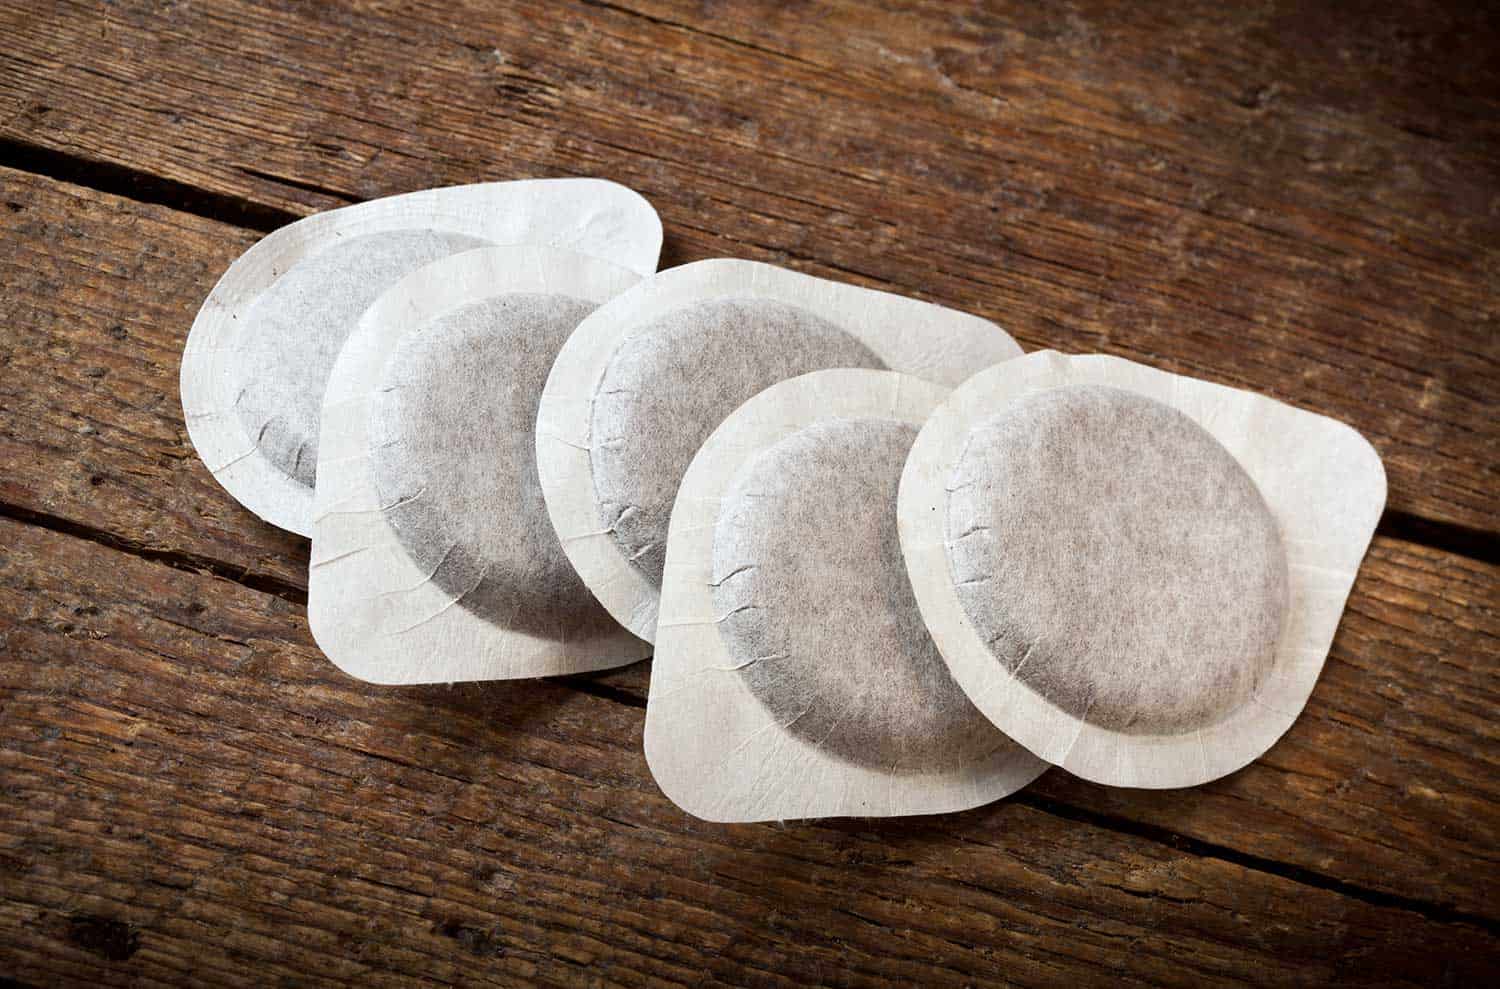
433,558
1134,574
643,382
261,348
793,677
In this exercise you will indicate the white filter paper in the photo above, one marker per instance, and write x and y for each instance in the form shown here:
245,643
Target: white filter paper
433,559
260,349
1134,574
793,677
645,379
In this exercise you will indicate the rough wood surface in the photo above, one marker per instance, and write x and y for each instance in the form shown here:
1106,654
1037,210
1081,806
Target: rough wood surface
1290,197
96,297
195,794
1387,783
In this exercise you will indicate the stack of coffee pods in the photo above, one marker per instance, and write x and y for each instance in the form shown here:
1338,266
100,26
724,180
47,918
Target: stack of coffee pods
886,563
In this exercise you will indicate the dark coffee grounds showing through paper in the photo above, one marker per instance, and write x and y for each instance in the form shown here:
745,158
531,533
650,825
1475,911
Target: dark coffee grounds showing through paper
818,613
454,462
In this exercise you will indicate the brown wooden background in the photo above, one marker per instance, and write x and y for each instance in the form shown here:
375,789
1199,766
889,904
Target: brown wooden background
1301,198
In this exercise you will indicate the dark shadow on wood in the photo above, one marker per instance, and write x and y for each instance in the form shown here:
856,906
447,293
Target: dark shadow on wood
1297,874
142,187
190,562
1460,540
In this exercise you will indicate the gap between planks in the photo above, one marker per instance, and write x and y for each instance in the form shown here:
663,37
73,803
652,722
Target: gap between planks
584,684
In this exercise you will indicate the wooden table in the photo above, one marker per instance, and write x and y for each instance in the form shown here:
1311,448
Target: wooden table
1282,196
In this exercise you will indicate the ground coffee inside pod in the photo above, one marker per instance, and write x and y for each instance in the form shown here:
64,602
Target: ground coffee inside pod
288,340
454,461
668,387
1116,558
818,613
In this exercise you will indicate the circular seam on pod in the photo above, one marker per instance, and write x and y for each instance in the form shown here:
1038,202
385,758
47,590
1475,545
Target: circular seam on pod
667,387
1116,557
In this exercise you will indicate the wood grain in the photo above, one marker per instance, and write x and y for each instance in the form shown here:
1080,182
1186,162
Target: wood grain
1294,197
1285,197
96,297
198,796
1387,782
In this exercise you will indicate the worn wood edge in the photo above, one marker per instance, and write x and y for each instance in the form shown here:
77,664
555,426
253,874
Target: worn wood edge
282,806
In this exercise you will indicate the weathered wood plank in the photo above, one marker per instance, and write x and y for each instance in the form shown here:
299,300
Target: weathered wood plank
96,296
192,793
1289,198
1388,781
